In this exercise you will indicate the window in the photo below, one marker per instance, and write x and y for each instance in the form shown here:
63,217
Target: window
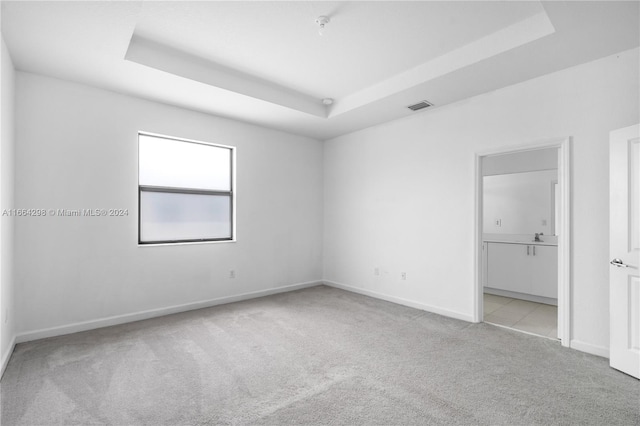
185,190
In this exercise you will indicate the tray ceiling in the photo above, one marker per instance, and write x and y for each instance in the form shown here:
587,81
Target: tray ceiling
265,63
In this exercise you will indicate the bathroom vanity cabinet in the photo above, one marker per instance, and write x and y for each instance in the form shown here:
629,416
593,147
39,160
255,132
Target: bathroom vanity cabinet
523,268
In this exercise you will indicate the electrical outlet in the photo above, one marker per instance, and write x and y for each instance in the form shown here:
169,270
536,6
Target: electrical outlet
232,274
544,222
376,271
498,222
403,276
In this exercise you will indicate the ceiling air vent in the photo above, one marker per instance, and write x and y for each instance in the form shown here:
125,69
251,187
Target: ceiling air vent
420,105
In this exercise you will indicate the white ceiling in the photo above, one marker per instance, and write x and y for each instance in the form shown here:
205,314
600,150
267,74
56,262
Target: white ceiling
279,42
263,62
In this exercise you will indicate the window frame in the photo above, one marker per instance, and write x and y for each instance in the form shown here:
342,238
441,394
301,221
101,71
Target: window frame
185,190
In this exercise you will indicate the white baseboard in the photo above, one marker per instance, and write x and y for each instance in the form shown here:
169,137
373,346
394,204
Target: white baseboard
138,316
6,356
401,301
590,348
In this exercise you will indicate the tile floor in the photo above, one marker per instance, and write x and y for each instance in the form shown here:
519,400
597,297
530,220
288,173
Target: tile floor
531,317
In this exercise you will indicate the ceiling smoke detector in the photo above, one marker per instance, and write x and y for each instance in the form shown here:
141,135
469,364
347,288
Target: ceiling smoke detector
322,21
420,105
327,101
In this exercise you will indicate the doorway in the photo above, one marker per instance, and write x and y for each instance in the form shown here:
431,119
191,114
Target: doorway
522,254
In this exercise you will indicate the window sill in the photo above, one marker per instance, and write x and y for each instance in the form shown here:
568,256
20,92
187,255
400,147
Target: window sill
186,243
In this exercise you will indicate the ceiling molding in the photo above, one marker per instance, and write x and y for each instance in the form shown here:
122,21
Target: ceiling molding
511,37
155,55
164,58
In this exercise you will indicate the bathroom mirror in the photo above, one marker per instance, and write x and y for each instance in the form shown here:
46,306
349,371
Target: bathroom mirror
520,203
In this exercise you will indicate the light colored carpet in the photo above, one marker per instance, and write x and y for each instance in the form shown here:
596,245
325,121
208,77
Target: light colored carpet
315,356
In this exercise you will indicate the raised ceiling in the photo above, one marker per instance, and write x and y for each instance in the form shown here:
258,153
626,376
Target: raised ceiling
265,63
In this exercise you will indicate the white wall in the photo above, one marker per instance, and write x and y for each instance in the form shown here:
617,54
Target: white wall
77,148
7,310
521,202
400,196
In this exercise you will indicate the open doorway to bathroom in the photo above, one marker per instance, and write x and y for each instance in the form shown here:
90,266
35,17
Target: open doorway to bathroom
522,223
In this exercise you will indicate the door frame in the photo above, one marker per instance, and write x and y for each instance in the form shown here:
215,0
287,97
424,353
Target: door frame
564,239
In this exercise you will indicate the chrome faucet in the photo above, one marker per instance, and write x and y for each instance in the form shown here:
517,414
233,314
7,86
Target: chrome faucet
537,237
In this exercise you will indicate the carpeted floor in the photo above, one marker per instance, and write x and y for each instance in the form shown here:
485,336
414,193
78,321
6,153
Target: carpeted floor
314,356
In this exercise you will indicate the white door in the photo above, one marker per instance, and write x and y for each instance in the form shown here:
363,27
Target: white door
624,247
